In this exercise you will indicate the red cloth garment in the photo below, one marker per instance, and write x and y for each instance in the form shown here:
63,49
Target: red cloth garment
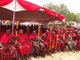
28,5
47,42
48,36
66,36
59,35
5,2
22,39
8,53
40,34
78,44
1,33
25,47
72,34
5,38
32,37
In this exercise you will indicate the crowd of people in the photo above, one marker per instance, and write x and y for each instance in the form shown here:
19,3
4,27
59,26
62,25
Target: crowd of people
25,41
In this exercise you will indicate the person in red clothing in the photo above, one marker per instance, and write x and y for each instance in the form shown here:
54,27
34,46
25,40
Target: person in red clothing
48,44
78,44
25,47
33,36
5,37
54,39
75,40
1,31
8,47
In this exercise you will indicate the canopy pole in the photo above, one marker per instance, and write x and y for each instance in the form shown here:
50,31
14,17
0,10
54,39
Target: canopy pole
38,36
13,16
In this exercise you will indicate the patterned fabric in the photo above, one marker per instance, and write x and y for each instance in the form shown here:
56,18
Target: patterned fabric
8,50
25,47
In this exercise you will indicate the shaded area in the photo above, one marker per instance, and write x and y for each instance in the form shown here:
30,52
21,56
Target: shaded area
5,14
38,16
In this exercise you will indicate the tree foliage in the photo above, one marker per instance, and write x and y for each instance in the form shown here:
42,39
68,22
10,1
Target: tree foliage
62,9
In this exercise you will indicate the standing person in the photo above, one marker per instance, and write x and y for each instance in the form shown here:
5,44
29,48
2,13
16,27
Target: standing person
8,50
25,47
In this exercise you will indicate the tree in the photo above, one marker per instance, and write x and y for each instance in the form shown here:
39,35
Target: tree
52,7
62,9
78,18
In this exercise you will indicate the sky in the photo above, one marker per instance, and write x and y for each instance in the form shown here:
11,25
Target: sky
73,5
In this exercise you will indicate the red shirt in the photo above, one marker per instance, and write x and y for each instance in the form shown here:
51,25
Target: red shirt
32,37
22,38
5,38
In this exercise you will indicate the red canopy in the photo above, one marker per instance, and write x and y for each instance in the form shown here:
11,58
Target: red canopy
5,2
28,5
49,12
33,7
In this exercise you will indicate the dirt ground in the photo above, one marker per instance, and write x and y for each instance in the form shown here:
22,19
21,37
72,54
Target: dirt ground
60,56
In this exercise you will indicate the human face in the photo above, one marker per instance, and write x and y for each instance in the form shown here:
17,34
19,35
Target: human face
20,31
34,32
47,32
8,32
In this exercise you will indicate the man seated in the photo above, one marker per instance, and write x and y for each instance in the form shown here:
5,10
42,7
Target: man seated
8,50
24,47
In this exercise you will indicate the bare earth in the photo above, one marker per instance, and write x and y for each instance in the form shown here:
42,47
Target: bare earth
60,56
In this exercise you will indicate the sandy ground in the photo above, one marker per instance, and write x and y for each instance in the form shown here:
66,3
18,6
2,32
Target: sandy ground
60,56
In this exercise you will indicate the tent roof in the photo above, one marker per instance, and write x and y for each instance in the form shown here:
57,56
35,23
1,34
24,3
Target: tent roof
26,15
32,12
5,14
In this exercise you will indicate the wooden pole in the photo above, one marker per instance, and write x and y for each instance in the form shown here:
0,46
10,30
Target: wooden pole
17,23
57,37
50,36
65,35
38,36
